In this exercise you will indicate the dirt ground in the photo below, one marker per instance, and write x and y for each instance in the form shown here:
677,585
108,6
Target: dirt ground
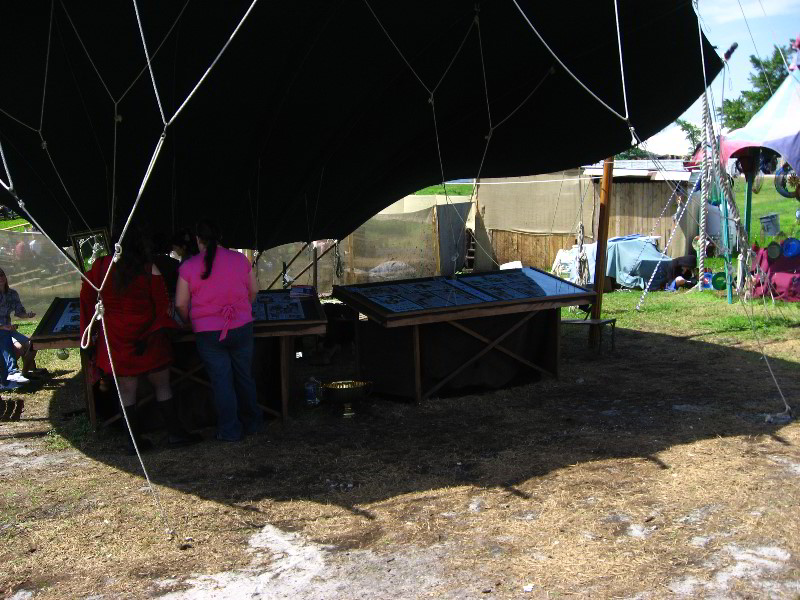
656,471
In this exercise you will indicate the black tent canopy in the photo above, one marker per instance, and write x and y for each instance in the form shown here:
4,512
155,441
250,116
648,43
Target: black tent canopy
320,113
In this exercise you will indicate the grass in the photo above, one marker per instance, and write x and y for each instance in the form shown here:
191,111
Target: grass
703,315
768,201
454,189
16,223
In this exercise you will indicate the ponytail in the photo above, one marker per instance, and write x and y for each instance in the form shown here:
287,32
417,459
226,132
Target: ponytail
208,233
208,259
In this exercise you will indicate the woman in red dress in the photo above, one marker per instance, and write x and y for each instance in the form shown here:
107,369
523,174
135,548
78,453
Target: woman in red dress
136,316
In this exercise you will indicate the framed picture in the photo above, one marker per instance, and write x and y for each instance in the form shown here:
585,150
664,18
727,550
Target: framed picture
89,246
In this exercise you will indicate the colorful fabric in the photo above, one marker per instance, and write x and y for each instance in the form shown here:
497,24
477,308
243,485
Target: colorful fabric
782,277
775,126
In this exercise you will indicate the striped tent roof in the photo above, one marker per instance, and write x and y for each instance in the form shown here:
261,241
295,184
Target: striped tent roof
776,126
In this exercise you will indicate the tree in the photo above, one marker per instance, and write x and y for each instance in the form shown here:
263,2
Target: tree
633,153
693,133
767,75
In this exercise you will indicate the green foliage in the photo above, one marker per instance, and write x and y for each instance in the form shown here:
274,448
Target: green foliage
634,153
692,132
767,75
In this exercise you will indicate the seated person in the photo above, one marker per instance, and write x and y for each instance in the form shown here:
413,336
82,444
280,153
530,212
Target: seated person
683,273
7,350
19,344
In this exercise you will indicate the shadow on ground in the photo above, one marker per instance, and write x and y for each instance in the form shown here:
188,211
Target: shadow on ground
656,391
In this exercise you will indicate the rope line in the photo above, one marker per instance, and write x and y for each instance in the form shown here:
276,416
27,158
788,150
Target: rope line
10,185
15,119
621,68
30,217
213,63
570,73
787,408
155,53
441,168
61,180
319,195
117,119
99,313
532,181
86,51
550,71
47,62
455,56
558,200
760,61
149,63
658,265
389,37
483,70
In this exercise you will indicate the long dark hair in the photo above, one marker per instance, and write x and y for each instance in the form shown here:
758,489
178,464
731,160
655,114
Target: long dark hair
136,254
209,234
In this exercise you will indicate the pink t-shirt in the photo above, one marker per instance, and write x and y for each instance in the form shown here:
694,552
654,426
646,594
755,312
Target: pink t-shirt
222,301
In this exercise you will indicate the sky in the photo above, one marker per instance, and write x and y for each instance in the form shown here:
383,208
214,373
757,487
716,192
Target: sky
723,24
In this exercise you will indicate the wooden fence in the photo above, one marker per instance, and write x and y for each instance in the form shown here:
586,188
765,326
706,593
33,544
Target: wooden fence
536,250
635,208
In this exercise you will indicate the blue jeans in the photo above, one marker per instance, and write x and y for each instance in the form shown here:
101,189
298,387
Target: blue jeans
229,364
9,362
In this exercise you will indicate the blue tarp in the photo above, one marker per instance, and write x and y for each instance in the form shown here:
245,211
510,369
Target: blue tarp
630,260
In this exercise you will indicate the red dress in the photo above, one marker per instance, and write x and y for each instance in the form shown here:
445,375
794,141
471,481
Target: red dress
138,316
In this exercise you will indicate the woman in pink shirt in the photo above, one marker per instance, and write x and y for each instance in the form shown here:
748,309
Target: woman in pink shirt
216,289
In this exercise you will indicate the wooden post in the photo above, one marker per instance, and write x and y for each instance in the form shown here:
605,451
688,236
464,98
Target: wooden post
286,349
351,260
289,264
602,243
417,364
436,238
314,271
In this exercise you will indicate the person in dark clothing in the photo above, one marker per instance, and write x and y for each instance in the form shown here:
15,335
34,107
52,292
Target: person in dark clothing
162,245
682,273
184,245
136,319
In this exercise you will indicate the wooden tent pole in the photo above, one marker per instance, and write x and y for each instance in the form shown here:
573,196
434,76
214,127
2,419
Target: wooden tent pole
309,265
299,252
602,243
314,271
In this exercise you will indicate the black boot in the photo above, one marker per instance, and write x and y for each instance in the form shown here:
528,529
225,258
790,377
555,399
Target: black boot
133,420
177,435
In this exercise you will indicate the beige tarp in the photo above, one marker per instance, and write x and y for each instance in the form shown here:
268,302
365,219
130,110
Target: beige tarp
552,205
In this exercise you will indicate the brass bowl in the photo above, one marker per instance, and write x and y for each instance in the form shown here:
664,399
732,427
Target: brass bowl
347,394
345,391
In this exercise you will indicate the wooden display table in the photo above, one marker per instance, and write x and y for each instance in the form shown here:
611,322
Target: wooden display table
276,316
485,310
